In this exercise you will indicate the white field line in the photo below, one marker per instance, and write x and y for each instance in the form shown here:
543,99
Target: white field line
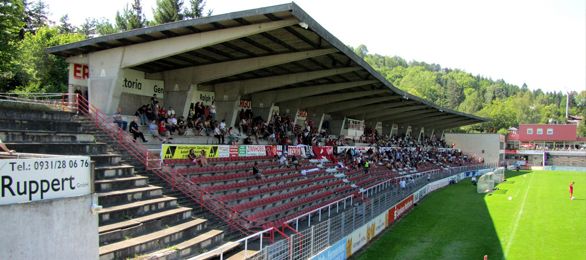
518,218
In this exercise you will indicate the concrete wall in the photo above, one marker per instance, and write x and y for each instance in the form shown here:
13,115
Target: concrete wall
483,145
50,229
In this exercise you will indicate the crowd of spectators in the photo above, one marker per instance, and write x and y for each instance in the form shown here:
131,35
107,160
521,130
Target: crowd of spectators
403,153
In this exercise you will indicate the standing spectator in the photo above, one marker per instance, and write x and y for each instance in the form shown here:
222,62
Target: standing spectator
133,129
154,100
213,110
218,134
181,127
119,120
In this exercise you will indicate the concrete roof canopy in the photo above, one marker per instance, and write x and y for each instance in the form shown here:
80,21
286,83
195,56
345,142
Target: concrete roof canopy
277,52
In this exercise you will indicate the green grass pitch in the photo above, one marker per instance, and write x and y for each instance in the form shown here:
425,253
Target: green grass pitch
538,222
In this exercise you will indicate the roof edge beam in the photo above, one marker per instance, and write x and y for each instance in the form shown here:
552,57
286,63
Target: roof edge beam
251,86
320,100
341,106
300,92
141,53
395,111
209,72
377,107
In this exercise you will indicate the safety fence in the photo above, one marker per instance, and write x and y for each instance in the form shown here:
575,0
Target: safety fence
358,224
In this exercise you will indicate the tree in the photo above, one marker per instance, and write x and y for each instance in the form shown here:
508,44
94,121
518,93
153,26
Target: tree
93,27
196,9
64,25
168,11
36,16
43,72
131,17
361,51
12,13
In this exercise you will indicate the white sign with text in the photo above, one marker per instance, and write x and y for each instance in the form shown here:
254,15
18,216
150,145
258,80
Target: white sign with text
27,180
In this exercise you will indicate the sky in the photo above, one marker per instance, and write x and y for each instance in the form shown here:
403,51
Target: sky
538,42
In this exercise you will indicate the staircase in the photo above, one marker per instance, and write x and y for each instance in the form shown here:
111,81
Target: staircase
142,217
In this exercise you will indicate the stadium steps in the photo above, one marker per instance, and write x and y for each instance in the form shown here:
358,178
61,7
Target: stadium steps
182,201
142,225
140,245
129,195
229,248
189,247
120,183
133,209
242,255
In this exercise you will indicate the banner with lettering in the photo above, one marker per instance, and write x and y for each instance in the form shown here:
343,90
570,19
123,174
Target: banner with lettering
133,82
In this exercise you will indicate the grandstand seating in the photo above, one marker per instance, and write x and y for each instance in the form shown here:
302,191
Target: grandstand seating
138,218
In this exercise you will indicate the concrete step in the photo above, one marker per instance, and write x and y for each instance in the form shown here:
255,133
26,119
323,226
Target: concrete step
106,159
48,125
118,197
18,111
141,225
139,208
113,171
66,148
149,242
242,255
42,136
189,247
111,184
227,248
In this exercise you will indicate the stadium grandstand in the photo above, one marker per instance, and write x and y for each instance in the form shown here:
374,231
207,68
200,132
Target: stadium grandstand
248,135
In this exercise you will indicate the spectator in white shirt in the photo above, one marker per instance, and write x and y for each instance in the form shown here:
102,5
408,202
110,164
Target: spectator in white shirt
170,112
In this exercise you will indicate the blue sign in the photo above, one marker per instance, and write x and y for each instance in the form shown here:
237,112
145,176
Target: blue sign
335,252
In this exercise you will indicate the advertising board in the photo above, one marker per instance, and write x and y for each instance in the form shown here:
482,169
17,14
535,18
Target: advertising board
356,240
133,82
181,151
335,252
27,180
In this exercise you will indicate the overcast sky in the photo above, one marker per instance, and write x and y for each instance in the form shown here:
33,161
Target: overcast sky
541,43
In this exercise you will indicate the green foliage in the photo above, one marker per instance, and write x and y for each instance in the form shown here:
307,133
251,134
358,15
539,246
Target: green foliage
40,71
506,104
36,16
65,26
196,9
93,27
131,17
12,13
168,11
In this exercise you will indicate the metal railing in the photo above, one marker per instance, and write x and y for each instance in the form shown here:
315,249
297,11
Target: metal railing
151,161
318,236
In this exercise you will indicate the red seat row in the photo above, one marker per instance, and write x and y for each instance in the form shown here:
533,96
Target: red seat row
266,213
251,193
273,199
238,185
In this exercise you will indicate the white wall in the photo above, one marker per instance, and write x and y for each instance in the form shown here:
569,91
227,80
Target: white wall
49,229
483,145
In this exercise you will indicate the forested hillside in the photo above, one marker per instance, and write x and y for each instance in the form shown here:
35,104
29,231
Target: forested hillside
506,104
